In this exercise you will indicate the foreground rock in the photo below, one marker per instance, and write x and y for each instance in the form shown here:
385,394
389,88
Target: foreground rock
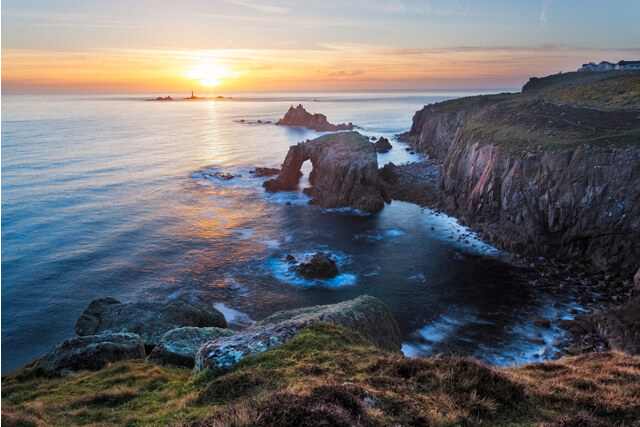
366,315
619,328
300,117
382,145
150,320
320,266
90,353
345,172
179,346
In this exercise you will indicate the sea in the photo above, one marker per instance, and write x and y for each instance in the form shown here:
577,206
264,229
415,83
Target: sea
114,195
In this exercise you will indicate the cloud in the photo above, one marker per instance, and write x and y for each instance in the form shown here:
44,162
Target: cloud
261,7
543,15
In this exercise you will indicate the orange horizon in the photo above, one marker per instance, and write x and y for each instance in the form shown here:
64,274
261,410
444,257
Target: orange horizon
336,68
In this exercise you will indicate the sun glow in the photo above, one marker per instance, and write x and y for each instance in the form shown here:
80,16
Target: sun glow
209,75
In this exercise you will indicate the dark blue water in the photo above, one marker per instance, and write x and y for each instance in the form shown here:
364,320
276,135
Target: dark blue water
104,196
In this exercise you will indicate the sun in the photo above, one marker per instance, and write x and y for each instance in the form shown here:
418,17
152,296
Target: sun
209,75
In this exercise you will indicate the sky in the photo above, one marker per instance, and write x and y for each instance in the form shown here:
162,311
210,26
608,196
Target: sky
237,45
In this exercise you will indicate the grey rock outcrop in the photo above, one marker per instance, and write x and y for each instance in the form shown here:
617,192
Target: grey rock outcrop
366,315
345,172
150,320
179,346
90,353
298,116
619,328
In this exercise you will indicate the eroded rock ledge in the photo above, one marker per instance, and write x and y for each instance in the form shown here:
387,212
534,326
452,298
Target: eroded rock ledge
345,172
298,116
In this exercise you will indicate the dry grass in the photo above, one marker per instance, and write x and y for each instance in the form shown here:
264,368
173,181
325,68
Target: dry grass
329,376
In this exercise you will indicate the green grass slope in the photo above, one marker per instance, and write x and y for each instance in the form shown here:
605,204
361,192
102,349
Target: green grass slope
330,376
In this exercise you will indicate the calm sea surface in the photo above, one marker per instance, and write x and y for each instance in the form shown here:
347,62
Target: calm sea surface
104,195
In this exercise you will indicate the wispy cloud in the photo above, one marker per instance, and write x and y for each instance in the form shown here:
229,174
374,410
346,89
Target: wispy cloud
543,14
261,6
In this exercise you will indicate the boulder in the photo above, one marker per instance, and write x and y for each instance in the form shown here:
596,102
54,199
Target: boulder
90,353
382,145
619,328
300,117
345,172
320,266
366,315
636,280
542,321
179,346
150,320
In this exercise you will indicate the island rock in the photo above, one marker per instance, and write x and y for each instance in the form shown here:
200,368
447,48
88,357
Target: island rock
382,145
90,353
345,172
366,315
298,116
320,266
150,320
179,346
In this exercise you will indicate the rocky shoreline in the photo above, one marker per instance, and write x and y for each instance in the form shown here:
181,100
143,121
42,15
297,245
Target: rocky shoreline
568,214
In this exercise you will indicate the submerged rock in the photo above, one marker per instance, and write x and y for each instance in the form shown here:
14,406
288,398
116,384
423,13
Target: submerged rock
179,346
90,353
300,117
320,266
260,172
345,172
382,145
366,315
150,320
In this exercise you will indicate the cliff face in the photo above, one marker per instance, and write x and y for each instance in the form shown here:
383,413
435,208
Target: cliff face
575,205
540,178
433,131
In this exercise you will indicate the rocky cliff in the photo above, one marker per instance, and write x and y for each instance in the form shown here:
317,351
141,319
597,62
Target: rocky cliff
345,172
540,178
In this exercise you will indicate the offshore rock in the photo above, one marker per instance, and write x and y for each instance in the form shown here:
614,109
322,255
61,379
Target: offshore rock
320,266
366,315
345,172
382,145
300,117
179,346
90,353
150,320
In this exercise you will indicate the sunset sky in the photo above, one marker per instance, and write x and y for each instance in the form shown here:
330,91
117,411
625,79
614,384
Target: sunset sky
230,45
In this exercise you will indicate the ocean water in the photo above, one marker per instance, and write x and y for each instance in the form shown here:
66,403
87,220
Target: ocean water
110,195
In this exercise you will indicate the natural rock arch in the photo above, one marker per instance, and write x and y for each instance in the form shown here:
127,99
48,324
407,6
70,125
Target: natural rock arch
345,171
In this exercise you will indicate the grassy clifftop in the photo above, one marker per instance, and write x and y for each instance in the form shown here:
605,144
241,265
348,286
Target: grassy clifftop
329,376
560,111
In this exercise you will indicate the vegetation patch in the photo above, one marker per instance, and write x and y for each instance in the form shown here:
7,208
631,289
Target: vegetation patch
330,376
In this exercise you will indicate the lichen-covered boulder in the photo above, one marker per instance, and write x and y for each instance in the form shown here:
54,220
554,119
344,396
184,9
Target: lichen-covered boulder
345,172
90,353
150,320
179,346
366,315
